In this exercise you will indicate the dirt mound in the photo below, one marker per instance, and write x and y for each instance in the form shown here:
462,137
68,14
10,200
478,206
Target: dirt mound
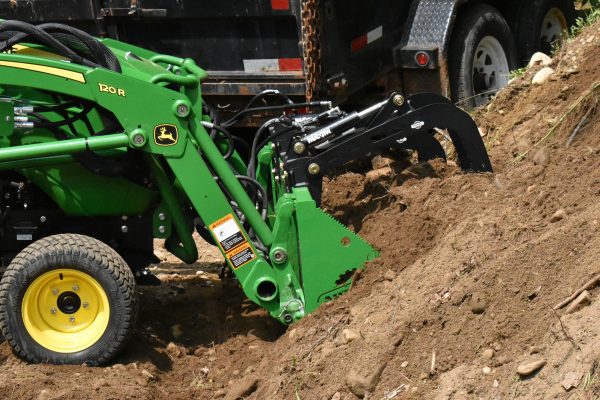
461,297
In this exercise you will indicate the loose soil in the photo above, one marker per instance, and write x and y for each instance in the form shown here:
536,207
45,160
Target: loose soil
470,268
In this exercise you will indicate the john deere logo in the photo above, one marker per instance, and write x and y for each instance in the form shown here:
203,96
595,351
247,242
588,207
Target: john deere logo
165,135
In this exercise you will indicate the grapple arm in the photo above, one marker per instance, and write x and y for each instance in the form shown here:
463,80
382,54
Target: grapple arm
394,123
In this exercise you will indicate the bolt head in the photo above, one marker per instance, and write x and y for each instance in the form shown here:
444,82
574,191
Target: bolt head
85,304
183,110
299,147
124,229
55,292
71,319
75,288
162,216
314,169
162,229
398,100
279,256
53,310
43,218
138,139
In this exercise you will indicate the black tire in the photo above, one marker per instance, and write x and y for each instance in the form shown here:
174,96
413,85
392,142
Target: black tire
473,25
529,24
77,254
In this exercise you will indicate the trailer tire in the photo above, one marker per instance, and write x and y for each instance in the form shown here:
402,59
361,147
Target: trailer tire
540,24
482,53
67,299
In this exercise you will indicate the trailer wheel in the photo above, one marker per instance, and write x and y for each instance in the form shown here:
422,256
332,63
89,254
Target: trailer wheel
541,24
481,55
67,299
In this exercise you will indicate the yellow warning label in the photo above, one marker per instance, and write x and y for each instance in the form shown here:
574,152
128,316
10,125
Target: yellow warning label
232,241
241,255
228,233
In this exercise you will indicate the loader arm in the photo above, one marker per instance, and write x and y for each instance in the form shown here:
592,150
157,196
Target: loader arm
63,112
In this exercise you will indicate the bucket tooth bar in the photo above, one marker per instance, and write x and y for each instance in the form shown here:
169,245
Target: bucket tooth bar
395,123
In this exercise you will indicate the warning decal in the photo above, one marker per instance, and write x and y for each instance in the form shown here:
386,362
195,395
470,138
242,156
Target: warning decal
228,233
241,256
232,241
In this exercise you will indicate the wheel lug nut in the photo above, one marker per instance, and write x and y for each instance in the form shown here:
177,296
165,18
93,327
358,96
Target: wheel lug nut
55,292
85,304
53,310
72,319
75,288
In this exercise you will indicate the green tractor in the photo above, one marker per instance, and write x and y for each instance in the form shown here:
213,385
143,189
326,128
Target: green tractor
105,146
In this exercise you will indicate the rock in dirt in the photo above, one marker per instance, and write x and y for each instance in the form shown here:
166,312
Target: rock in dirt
571,380
540,58
379,174
361,384
389,275
529,367
404,364
242,388
336,396
486,370
176,351
543,75
294,334
581,301
488,354
381,162
147,374
349,335
44,395
559,215
501,360
478,304
542,156
220,393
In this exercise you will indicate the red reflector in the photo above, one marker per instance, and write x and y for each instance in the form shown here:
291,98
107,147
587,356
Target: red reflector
422,59
290,64
280,4
359,43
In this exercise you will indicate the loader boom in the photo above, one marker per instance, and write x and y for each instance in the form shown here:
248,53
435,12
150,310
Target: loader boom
115,131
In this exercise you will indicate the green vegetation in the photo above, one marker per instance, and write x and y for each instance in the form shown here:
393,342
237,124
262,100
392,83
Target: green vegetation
592,15
518,72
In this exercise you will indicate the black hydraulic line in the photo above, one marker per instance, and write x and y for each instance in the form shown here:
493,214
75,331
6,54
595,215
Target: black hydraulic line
233,120
74,38
228,137
24,30
67,121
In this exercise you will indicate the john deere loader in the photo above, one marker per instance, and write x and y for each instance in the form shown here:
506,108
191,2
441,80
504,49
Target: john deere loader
105,146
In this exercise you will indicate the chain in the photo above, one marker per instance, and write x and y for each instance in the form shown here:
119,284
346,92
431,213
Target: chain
311,45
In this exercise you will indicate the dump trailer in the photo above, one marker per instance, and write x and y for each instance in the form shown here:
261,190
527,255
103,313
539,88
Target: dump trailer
105,146
352,52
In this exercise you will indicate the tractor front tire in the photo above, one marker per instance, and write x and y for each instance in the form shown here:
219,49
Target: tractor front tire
67,299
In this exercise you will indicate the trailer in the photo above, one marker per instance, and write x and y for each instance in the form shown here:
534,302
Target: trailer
354,52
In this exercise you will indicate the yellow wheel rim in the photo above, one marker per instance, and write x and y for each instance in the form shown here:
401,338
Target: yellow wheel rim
65,310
